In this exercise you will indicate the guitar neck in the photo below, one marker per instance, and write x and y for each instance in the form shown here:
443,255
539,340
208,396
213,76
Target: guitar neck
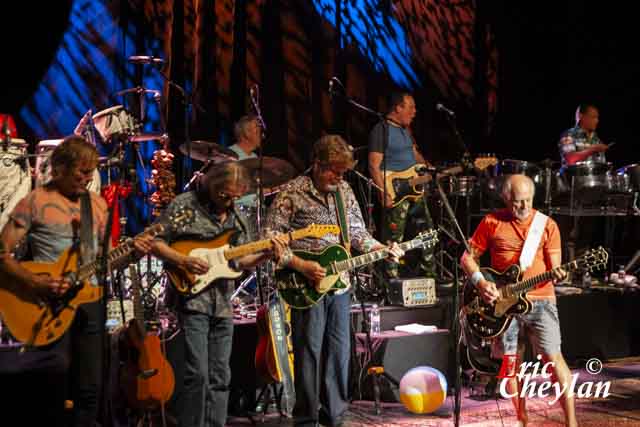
531,282
371,257
260,245
424,179
117,256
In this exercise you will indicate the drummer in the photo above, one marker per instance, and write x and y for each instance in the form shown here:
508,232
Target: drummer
581,142
248,135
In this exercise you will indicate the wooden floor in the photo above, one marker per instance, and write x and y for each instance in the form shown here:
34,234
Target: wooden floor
620,408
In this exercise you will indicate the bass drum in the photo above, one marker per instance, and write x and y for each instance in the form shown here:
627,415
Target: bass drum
15,177
43,165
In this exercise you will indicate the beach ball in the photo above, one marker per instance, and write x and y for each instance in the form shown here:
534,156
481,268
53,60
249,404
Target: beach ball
423,389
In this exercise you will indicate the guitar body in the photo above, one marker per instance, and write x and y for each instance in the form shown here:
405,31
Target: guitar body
211,251
294,287
147,378
400,185
40,321
489,321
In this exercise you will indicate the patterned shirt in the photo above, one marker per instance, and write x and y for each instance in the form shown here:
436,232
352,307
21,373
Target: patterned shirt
577,139
214,301
301,205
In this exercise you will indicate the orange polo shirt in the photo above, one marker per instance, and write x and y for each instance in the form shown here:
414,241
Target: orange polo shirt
504,237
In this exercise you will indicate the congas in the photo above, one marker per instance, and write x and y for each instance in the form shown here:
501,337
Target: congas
460,185
15,177
43,165
114,121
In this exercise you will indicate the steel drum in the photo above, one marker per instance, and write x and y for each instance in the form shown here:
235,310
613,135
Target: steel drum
460,185
588,176
632,172
15,177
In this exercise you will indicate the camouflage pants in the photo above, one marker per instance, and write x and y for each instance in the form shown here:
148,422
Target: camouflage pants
402,223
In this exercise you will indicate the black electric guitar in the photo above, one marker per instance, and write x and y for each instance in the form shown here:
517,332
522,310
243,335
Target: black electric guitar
300,294
409,183
491,320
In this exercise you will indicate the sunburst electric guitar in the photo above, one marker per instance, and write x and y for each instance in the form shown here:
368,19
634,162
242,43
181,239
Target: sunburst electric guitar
490,320
296,290
217,253
409,183
38,320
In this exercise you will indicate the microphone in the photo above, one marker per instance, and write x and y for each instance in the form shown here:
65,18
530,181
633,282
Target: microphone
143,59
445,110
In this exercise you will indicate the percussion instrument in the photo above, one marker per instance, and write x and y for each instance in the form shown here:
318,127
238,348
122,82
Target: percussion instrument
275,171
208,151
43,165
632,172
460,185
15,177
114,121
588,176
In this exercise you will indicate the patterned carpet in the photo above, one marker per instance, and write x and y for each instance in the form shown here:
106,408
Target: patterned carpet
620,408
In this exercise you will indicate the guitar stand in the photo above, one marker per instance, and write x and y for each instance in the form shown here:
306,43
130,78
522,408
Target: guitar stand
264,401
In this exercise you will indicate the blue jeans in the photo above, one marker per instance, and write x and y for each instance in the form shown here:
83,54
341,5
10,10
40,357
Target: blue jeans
207,372
321,345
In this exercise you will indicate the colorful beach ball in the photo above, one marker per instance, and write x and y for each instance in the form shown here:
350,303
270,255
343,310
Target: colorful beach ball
423,389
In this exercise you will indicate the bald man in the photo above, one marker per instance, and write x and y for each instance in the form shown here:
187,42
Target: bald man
504,233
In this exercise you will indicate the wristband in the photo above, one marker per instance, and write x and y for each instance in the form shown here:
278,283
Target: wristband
476,278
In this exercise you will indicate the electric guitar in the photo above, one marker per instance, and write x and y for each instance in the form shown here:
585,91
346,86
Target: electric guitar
218,253
295,289
38,320
409,183
490,320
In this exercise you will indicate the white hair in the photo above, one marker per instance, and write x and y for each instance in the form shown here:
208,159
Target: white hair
508,185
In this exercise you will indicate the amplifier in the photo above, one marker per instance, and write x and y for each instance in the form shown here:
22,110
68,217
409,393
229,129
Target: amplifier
412,292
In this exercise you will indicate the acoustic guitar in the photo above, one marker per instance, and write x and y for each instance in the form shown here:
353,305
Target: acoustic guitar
491,320
296,290
38,320
409,183
217,253
147,377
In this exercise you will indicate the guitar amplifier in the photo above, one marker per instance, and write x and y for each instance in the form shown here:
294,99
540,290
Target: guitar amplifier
412,292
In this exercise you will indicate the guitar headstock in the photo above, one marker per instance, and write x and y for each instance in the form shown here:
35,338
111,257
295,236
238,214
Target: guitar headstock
484,161
320,230
427,238
594,259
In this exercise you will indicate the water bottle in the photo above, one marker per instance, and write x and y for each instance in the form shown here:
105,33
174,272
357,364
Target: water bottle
374,320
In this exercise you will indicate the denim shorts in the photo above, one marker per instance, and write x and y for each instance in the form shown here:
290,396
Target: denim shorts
541,325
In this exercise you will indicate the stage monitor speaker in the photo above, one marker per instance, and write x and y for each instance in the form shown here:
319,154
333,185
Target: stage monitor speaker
418,292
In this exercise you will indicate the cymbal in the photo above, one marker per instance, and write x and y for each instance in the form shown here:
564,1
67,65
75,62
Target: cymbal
275,171
151,136
205,150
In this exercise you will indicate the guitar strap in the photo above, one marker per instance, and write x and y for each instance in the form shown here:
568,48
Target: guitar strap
532,242
87,247
342,220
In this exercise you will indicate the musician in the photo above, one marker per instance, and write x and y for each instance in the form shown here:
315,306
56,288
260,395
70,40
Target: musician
48,219
504,234
248,134
581,142
207,318
320,334
400,154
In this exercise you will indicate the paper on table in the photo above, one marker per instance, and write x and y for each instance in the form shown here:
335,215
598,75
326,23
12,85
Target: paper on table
416,328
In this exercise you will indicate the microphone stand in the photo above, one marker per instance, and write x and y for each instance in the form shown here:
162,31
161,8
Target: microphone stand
455,324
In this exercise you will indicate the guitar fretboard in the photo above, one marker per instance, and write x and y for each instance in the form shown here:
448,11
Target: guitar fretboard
368,258
531,282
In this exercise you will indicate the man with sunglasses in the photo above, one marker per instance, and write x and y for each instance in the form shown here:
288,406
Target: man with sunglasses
321,334
207,318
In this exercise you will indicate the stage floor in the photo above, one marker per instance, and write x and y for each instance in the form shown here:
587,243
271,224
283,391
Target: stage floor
620,408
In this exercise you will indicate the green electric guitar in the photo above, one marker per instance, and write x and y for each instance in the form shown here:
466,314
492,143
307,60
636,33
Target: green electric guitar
296,290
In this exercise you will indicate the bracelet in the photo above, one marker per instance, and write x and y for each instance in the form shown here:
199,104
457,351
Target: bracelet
476,278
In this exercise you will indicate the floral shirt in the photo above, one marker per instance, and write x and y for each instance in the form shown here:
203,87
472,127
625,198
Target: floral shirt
577,139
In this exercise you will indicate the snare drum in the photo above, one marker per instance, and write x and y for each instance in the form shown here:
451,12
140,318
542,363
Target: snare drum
460,185
114,121
15,177
43,165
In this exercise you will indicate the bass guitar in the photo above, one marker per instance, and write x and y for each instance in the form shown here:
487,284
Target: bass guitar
147,377
491,320
409,183
300,294
217,253
38,320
